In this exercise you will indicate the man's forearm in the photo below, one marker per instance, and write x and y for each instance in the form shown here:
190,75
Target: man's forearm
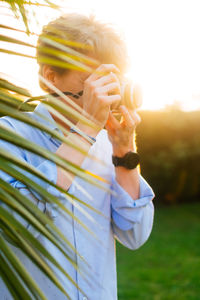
64,178
129,180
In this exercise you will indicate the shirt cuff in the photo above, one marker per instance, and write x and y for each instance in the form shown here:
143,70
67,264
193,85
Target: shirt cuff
126,211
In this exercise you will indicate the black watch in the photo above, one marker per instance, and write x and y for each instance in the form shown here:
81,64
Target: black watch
129,161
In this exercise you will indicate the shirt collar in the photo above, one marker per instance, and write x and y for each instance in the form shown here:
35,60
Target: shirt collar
44,117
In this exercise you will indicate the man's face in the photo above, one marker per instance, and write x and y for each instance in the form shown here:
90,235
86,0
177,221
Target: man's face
72,81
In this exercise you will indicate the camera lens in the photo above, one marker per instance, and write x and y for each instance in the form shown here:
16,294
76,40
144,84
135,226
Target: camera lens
131,95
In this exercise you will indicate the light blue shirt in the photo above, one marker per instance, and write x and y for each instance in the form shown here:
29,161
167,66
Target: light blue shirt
127,220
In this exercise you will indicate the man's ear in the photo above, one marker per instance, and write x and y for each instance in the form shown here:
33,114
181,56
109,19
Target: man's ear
49,74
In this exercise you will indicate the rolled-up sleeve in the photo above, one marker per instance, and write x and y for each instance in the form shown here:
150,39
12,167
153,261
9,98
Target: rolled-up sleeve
132,220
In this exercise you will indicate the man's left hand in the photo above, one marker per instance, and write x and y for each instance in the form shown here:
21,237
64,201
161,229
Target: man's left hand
122,134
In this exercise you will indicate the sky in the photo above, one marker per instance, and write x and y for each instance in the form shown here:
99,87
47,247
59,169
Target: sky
163,40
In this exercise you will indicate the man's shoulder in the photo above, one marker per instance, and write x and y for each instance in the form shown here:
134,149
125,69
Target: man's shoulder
16,124
29,121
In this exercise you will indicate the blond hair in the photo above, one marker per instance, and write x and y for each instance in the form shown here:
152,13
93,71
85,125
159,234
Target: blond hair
87,36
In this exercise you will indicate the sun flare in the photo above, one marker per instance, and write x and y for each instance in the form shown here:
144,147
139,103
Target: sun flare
163,48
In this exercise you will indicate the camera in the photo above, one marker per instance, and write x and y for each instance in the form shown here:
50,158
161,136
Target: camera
131,97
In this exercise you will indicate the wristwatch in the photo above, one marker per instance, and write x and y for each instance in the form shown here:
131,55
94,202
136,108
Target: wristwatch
129,161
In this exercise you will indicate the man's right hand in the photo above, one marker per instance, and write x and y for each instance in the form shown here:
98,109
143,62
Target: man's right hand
101,89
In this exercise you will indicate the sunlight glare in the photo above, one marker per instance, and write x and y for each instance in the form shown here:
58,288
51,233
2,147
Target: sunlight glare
163,44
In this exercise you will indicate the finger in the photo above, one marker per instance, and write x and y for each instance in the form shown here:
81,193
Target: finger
136,117
128,119
108,100
102,70
112,121
108,88
111,77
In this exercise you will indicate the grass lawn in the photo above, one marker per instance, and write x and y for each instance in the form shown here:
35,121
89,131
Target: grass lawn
168,265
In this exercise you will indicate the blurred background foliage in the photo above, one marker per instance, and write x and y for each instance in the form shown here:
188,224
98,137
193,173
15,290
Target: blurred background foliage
167,266
169,145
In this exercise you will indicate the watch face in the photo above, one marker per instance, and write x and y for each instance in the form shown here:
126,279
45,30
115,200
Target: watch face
131,160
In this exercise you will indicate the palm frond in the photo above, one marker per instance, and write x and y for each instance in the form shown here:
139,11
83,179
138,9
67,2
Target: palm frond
20,270
18,7
5,84
10,136
16,53
8,39
34,242
13,102
12,281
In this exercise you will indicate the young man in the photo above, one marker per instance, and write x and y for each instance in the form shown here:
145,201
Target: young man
128,212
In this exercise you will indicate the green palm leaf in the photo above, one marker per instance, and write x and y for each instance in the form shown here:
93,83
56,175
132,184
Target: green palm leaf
28,211
47,196
35,244
10,136
13,103
16,53
28,168
5,84
18,7
20,270
10,278
9,39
